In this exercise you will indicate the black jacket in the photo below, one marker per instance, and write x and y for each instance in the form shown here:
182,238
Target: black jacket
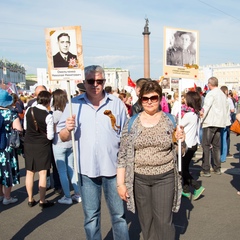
58,61
136,108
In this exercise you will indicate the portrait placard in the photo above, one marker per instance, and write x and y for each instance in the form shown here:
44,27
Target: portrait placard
181,53
64,53
175,84
165,84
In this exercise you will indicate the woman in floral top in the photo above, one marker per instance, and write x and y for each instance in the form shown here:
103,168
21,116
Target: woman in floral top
146,166
9,168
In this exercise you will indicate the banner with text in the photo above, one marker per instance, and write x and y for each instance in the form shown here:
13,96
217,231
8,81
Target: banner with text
181,53
64,53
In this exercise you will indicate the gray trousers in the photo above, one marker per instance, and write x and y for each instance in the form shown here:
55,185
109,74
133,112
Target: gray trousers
211,138
154,201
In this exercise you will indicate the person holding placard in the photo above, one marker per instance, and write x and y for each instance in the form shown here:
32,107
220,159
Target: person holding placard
97,121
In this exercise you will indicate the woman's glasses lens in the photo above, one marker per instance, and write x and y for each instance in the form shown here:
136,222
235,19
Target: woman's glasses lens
92,81
152,99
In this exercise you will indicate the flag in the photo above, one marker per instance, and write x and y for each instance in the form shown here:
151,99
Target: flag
193,88
131,83
12,88
205,89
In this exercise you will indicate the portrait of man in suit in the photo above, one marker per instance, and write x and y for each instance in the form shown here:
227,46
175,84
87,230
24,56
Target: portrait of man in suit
64,58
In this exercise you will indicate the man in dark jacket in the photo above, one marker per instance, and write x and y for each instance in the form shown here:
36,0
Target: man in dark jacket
136,108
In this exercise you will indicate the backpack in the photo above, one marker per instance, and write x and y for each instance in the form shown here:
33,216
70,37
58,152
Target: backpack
3,138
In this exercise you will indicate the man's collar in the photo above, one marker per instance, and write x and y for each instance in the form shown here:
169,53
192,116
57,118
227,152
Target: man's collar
84,96
63,55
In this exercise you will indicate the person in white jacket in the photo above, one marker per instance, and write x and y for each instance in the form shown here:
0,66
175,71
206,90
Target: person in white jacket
191,122
225,132
214,118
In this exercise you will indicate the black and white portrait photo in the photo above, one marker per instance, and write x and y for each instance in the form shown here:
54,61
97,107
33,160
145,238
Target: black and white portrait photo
64,53
165,83
180,48
64,58
64,49
180,53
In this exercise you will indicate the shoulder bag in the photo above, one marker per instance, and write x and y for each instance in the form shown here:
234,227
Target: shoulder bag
14,138
3,138
235,127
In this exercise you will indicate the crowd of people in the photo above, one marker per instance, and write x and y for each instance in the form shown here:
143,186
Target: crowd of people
127,150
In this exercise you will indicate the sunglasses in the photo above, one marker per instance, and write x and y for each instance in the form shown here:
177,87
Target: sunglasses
153,99
92,81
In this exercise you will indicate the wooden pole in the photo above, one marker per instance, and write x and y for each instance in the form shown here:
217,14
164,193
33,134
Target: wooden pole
72,132
179,124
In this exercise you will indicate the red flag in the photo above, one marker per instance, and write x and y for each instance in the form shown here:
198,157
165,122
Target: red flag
131,83
193,88
205,89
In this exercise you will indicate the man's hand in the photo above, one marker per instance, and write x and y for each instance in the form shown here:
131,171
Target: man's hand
70,123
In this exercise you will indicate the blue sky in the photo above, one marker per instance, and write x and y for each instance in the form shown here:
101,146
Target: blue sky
112,30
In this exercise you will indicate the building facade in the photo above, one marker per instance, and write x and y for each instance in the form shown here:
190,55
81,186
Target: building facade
117,78
227,74
12,73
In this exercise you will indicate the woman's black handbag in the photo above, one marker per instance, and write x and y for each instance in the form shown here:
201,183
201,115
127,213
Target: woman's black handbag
14,138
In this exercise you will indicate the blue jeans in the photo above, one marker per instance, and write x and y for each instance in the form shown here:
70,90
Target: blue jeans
224,146
200,135
228,139
65,166
91,191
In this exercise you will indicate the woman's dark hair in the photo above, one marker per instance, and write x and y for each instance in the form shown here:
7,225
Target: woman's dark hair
194,100
149,87
15,98
122,95
108,89
44,98
59,99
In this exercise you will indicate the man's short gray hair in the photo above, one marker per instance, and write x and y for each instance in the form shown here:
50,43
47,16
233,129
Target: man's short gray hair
213,81
93,69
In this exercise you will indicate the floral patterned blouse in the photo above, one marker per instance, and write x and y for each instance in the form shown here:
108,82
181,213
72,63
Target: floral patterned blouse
133,159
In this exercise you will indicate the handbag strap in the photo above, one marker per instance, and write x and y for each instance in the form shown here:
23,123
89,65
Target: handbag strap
34,120
35,123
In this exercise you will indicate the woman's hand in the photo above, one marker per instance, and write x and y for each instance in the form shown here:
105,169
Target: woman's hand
179,133
122,192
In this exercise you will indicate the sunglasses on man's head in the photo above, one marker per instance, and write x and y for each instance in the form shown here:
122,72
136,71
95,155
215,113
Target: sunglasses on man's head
92,81
153,99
